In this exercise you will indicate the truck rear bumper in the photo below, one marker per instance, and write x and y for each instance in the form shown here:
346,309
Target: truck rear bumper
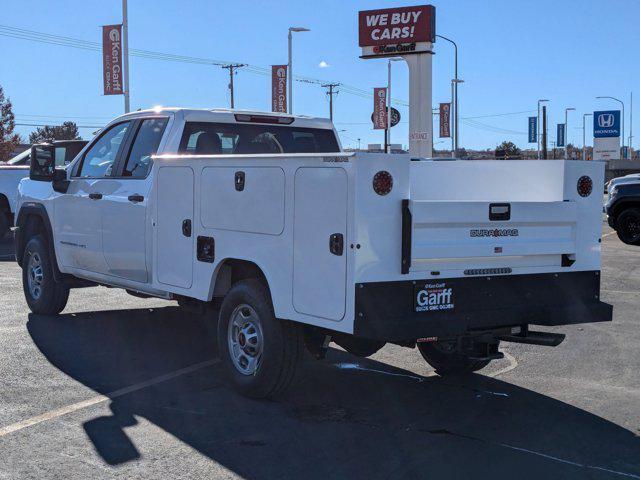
407,310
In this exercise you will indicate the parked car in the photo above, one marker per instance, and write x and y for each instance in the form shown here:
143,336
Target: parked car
623,208
17,168
301,243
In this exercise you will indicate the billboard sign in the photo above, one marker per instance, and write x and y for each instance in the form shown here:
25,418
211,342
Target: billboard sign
112,59
606,124
561,135
606,148
533,129
445,120
379,108
397,31
279,88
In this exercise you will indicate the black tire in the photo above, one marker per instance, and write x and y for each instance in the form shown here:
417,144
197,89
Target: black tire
280,342
5,224
52,296
443,357
628,226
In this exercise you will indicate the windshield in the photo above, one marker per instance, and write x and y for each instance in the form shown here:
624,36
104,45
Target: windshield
21,158
232,138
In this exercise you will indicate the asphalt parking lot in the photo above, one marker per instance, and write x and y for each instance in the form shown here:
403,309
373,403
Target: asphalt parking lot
119,387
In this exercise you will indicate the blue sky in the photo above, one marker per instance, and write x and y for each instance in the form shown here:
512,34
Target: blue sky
510,54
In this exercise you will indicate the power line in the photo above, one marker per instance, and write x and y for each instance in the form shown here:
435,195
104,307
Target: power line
59,40
49,125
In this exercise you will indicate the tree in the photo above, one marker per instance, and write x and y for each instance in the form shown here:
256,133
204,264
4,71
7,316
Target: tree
8,140
49,133
507,150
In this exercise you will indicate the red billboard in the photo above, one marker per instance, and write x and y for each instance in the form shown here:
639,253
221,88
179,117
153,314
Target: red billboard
445,120
397,25
112,59
379,108
279,88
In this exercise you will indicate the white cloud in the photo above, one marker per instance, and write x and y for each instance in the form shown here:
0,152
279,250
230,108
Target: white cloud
323,64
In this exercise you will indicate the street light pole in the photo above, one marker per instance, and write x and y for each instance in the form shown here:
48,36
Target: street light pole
566,132
538,124
584,136
125,52
290,64
621,103
455,91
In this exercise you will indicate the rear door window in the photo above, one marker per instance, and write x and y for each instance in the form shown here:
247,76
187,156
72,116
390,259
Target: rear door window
144,146
211,138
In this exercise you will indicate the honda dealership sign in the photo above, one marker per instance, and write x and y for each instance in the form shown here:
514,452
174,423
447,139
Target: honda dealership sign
397,31
606,135
112,59
279,88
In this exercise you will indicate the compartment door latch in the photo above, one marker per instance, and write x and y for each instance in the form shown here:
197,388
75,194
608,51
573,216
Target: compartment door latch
336,244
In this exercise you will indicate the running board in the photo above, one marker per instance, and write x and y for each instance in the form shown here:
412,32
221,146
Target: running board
535,338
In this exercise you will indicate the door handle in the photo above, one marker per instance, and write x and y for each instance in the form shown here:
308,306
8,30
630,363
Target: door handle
336,244
95,196
135,198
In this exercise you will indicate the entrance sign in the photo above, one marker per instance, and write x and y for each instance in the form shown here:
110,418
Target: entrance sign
445,120
606,124
561,135
112,59
606,148
379,108
279,88
533,129
397,31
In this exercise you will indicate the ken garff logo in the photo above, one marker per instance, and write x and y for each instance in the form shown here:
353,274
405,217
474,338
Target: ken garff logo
605,120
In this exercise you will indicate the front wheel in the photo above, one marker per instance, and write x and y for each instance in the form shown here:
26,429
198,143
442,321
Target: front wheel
628,226
44,295
447,360
259,353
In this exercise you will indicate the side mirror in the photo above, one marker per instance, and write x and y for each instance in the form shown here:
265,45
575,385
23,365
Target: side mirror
42,163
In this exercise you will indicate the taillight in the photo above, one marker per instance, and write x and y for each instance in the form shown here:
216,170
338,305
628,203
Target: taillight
382,182
585,186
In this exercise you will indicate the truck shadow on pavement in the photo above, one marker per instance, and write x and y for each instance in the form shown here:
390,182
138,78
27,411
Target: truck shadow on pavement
6,249
354,422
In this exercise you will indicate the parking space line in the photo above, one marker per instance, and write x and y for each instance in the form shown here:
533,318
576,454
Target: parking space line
607,234
59,412
513,363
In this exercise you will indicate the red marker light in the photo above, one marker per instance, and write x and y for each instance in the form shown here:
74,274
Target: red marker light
585,186
382,182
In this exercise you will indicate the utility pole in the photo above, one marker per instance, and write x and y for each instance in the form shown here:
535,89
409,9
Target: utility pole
231,67
331,92
544,132
584,135
125,51
631,125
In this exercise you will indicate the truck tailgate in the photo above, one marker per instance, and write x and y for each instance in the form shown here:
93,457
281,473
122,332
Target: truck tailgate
446,233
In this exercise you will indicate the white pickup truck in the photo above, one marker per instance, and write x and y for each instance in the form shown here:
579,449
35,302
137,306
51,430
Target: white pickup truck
17,168
300,243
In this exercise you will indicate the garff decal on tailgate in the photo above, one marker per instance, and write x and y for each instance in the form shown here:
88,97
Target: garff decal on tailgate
494,232
433,297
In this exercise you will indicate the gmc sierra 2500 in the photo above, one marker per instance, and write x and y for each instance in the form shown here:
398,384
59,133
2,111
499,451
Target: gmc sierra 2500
303,243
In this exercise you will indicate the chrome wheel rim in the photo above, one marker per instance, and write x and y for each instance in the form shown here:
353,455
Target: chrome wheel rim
245,339
35,275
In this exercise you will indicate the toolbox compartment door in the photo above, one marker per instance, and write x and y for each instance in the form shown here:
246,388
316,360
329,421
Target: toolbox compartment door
320,224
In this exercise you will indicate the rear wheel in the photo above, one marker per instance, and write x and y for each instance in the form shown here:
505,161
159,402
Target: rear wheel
43,294
628,226
259,353
447,360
